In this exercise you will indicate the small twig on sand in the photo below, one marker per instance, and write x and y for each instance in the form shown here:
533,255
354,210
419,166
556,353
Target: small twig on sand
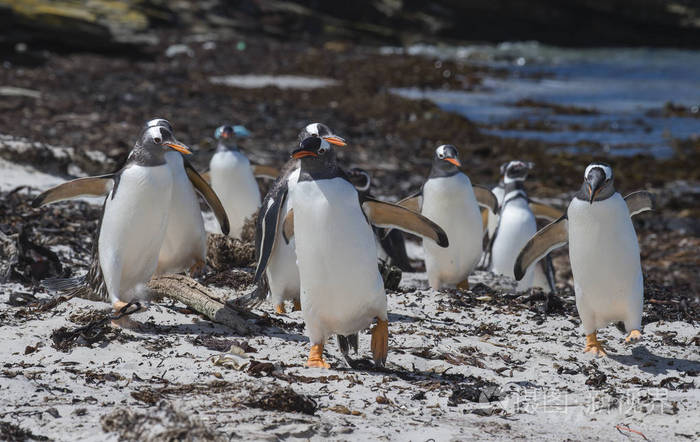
624,427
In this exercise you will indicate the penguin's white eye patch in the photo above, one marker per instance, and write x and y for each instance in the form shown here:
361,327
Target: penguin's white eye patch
606,169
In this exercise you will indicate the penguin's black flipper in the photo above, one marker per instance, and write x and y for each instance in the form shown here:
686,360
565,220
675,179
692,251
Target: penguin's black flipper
544,211
204,189
89,186
640,201
485,198
267,224
383,214
412,202
268,172
551,237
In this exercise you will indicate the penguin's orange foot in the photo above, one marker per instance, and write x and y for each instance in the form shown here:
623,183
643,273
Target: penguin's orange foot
119,305
279,309
380,342
316,357
297,305
593,345
464,285
125,321
634,336
198,268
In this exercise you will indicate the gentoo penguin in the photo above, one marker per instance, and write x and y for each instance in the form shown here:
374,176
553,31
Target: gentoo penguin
392,245
341,289
184,245
280,272
133,224
450,200
604,254
185,242
516,225
233,180
498,191
541,211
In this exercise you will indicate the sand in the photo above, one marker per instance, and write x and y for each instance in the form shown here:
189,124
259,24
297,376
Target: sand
486,364
442,357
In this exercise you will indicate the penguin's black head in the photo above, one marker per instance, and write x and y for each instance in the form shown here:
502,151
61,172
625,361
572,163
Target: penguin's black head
317,156
515,170
160,139
445,161
597,182
320,130
359,178
158,122
227,135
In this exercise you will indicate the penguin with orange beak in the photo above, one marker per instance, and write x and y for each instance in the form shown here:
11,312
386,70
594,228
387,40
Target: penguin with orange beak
277,260
342,291
133,224
449,199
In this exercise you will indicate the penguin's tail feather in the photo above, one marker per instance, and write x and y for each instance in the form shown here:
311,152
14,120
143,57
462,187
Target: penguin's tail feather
73,287
347,342
621,326
254,298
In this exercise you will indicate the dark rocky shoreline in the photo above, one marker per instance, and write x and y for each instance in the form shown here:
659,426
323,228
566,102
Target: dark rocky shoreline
125,27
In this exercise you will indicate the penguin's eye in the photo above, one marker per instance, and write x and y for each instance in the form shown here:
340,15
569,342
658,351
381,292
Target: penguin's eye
441,156
157,140
322,150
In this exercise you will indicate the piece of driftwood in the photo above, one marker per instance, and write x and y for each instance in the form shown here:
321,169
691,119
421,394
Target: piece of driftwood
197,297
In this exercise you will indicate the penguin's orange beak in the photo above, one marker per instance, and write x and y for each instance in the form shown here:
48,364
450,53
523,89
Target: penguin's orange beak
178,147
454,161
334,139
303,153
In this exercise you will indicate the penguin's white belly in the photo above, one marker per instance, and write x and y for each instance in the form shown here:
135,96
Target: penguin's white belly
341,288
517,225
450,202
133,227
185,240
493,218
233,181
282,271
605,263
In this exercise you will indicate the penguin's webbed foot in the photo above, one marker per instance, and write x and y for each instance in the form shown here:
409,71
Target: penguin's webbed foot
125,321
297,305
634,336
380,342
279,309
464,285
593,345
316,357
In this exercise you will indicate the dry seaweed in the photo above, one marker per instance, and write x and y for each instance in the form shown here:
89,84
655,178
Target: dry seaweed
164,423
281,399
14,433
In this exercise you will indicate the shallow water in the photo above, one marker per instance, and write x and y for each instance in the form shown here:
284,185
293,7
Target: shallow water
626,89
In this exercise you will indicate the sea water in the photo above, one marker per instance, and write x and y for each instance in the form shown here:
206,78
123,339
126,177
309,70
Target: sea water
625,89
